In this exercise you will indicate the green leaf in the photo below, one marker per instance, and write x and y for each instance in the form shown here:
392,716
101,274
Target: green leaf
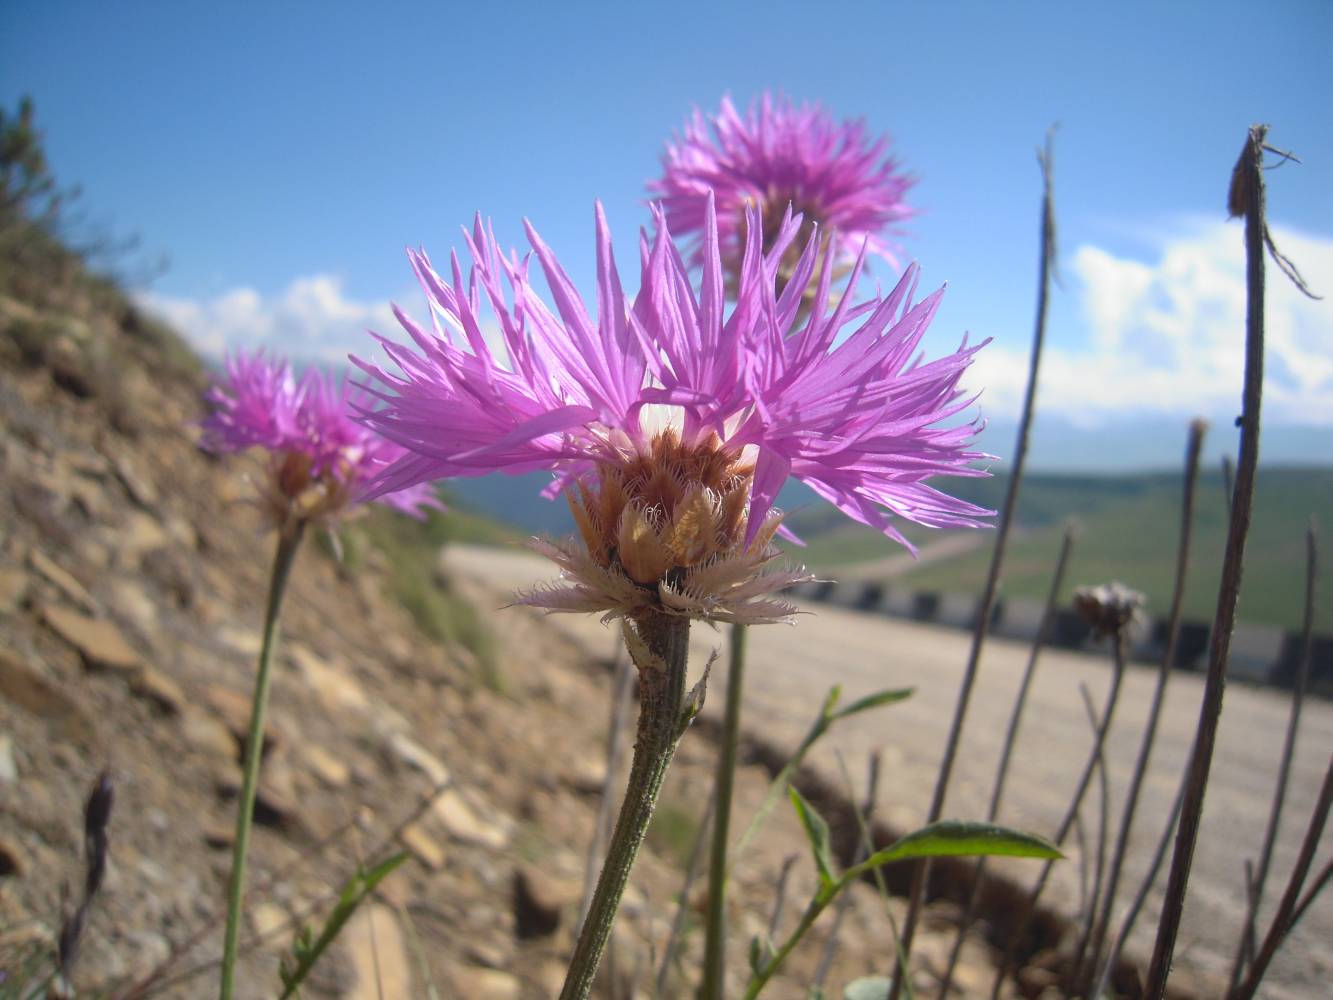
868,988
954,838
760,949
873,701
307,949
828,715
816,830
826,712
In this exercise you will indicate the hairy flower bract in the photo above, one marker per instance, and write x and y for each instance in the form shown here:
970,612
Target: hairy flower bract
320,457
671,421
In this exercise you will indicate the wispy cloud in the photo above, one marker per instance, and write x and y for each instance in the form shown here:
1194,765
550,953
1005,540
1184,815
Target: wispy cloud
1165,336
312,318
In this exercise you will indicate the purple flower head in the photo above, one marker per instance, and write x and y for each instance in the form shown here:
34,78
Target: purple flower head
321,458
671,422
833,173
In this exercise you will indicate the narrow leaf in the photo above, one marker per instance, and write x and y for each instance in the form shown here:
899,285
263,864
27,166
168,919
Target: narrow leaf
954,838
816,830
874,701
306,951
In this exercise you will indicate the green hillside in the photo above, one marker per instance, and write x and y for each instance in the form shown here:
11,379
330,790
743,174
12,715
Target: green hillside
1128,531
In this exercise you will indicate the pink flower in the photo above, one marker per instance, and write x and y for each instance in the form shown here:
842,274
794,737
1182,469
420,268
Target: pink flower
778,155
672,422
321,458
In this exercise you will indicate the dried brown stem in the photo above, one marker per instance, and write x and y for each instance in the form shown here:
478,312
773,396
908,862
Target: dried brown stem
1010,740
1282,920
1247,198
1098,742
1046,268
1193,450
1245,947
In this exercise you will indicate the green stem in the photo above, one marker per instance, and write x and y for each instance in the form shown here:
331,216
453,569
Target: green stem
659,645
288,542
817,906
715,934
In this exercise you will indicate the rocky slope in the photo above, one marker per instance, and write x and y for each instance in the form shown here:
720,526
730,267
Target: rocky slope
132,577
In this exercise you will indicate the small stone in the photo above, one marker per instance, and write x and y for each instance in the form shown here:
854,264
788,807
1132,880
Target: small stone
181,532
207,735
268,921
99,641
62,579
9,769
157,687
494,955
552,977
333,686
13,588
141,490
276,802
233,708
245,641
149,950
463,823
220,837
326,767
13,862
28,688
374,942
423,846
173,572
488,984
539,900
139,533
587,774
276,799
415,756
133,603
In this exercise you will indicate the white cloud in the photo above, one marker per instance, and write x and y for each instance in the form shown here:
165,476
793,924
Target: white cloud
311,318
1167,337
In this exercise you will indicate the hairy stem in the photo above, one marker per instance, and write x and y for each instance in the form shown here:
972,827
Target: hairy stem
289,541
659,645
715,935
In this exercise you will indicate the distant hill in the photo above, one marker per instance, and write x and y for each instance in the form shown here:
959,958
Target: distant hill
1129,526
1128,531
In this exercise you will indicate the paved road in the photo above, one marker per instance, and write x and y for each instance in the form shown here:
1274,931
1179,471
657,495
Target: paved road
790,669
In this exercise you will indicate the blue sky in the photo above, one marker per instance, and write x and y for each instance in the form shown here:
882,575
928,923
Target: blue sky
283,155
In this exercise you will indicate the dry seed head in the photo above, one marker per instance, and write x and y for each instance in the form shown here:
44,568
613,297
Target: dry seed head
292,492
665,528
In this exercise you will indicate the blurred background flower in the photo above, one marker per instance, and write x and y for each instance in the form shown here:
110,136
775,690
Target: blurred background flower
320,459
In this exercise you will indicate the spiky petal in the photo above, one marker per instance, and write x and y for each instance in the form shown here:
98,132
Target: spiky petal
675,421
320,457
775,155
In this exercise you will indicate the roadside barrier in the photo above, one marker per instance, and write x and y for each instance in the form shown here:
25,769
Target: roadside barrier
1260,654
